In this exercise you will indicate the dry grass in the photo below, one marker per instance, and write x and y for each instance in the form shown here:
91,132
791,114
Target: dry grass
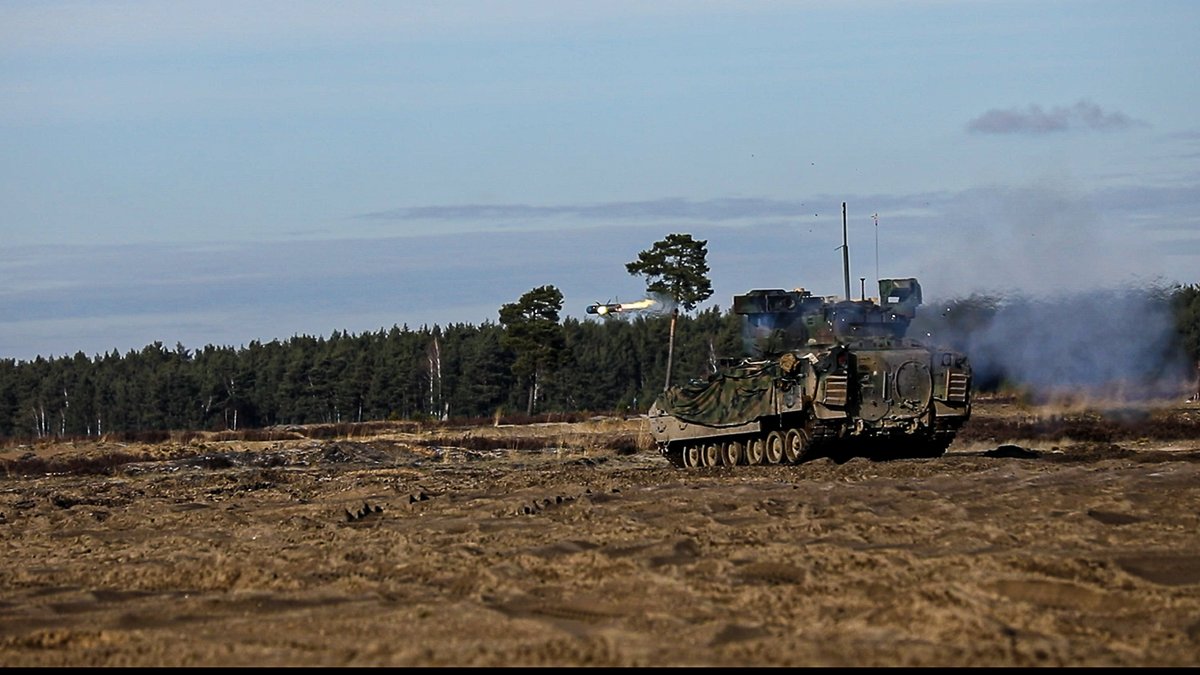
994,422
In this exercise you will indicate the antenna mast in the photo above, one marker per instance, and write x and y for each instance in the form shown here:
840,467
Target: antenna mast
876,217
845,252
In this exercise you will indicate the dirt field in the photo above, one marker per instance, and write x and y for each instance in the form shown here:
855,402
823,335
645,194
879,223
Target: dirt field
1041,539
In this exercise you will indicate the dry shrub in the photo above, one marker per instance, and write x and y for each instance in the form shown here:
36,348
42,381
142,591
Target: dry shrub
533,438
352,429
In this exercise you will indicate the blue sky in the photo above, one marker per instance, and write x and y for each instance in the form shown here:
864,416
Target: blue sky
222,172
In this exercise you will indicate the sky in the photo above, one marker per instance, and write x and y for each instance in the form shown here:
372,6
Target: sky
218,173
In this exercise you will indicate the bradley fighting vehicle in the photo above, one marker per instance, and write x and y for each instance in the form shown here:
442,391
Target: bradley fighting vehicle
819,376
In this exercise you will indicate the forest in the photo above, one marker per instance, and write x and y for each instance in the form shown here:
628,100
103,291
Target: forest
528,364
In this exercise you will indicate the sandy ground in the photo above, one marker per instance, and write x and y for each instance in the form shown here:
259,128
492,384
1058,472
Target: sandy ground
585,548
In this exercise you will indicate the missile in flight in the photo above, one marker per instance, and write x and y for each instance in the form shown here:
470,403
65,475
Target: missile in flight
603,308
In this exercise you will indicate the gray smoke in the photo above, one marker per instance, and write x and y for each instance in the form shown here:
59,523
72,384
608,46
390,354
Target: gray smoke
1035,120
1113,345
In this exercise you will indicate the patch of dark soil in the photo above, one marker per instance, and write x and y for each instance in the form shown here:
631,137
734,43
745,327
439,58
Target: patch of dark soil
1013,452
341,452
1113,518
1167,569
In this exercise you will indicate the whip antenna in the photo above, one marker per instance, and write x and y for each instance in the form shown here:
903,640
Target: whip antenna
876,217
845,253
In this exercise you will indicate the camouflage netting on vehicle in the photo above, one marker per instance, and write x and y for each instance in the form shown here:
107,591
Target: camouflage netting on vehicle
727,398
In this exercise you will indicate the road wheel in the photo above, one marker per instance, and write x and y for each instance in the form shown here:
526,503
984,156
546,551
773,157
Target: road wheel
774,449
795,445
711,455
731,453
691,456
754,451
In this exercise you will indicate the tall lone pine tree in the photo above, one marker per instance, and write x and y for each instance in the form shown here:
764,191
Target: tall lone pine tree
677,268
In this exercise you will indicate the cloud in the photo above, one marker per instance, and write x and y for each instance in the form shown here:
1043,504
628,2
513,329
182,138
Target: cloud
95,299
713,209
1034,120
1029,239
710,210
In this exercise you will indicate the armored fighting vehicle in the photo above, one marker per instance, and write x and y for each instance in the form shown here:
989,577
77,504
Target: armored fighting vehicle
819,376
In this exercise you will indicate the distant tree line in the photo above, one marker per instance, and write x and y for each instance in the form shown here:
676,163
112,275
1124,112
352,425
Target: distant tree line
530,362
460,371
464,371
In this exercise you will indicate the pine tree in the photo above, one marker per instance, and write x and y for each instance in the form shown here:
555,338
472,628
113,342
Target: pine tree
532,331
675,268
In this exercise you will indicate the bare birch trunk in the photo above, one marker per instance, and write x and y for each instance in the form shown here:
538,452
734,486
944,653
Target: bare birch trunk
533,387
670,349
434,357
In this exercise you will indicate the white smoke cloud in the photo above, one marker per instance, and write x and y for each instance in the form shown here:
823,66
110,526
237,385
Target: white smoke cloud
1045,238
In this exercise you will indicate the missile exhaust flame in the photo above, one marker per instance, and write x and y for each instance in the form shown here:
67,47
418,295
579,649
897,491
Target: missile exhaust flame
618,307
